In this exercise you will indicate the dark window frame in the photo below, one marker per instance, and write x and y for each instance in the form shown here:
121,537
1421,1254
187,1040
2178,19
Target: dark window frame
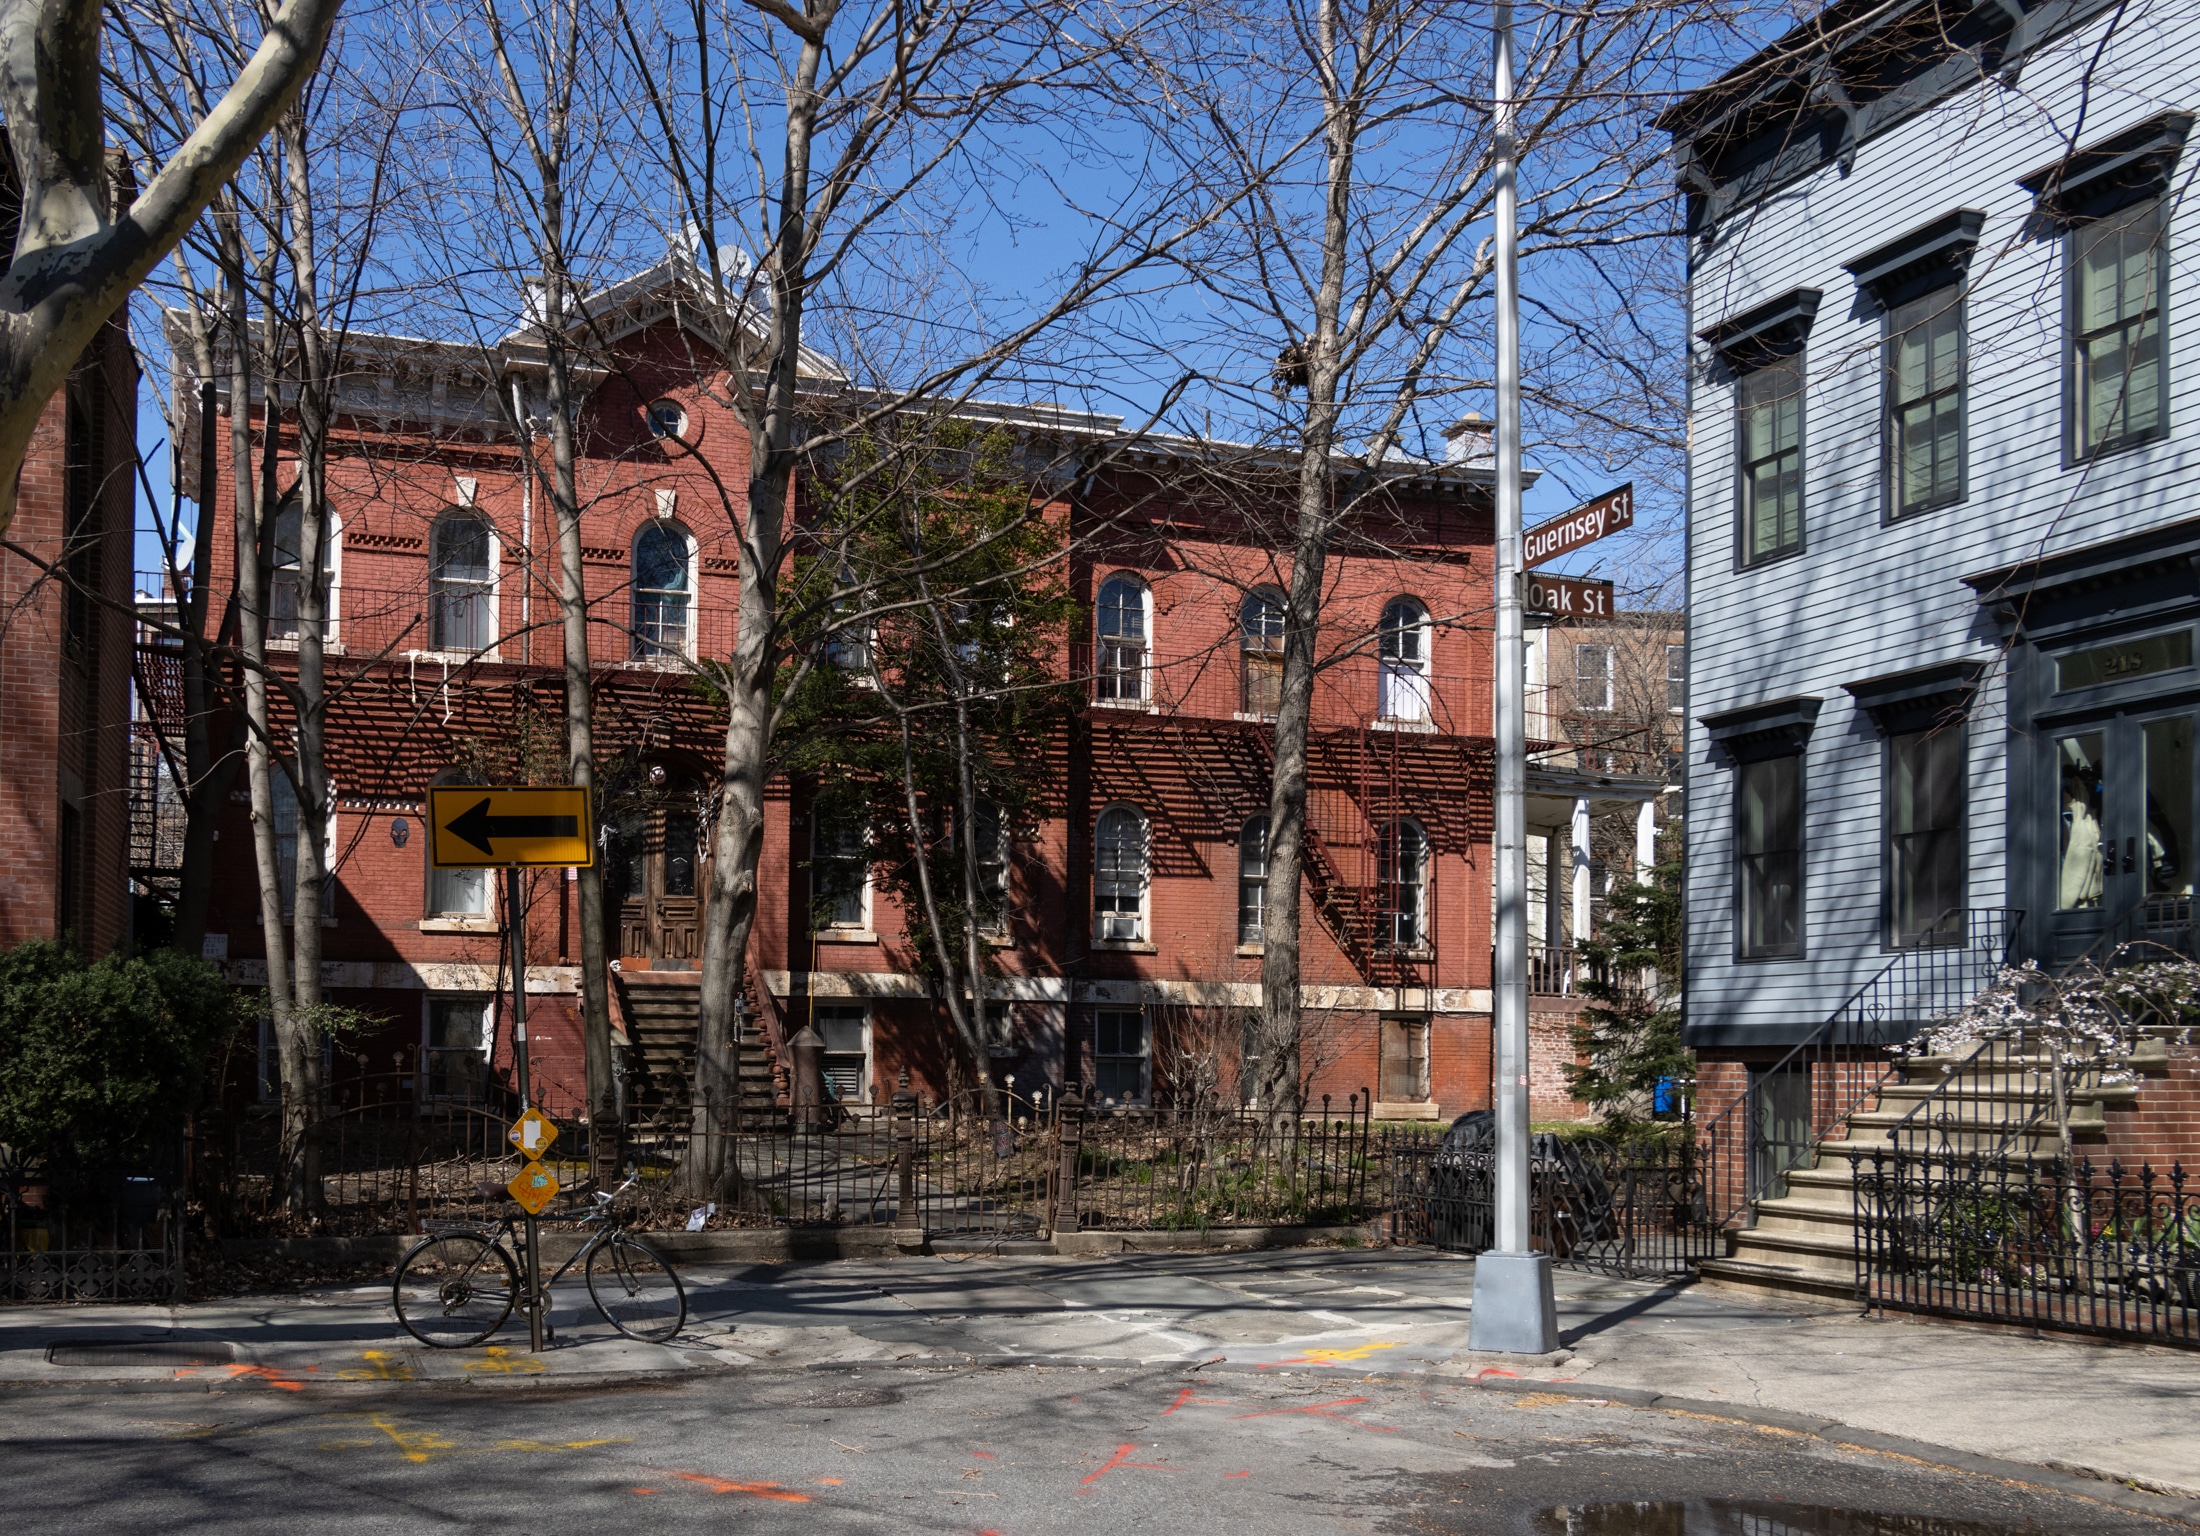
1790,367
1801,853
1951,731
1929,306
2076,426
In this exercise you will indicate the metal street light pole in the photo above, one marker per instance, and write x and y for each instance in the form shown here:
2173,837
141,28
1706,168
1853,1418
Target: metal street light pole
1513,1308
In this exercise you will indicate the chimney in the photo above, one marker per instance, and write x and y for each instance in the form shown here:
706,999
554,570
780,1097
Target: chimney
1470,440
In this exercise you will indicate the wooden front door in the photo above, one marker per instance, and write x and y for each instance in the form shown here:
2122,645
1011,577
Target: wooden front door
653,880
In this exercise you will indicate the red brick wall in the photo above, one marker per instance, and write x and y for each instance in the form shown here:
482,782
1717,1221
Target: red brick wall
2161,1127
62,721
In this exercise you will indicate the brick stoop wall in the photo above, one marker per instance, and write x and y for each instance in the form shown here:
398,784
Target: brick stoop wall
2160,1125
1550,1052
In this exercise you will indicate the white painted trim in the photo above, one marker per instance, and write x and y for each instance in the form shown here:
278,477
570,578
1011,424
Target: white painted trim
1056,989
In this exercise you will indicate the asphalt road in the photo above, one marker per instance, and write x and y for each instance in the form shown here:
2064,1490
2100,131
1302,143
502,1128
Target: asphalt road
971,1450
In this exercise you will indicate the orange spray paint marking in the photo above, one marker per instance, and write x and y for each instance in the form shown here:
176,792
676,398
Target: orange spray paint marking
1237,1474
1185,1399
268,1374
830,1482
641,1490
1321,1410
988,1455
753,1490
1117,1463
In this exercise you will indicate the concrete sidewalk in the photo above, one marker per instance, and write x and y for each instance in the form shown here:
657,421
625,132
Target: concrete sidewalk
2118,1412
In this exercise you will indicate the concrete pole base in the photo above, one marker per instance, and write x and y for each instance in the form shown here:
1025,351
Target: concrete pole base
1514,1311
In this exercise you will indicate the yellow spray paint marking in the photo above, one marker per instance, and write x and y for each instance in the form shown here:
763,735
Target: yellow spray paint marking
1334,1356
501,1361
415,1445
381,1366
561,1445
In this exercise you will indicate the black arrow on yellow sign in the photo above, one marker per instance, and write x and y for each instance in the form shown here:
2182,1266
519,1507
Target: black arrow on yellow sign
476,827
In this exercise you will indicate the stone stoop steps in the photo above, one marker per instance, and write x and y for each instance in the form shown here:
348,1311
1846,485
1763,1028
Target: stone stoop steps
1804,1242
660,1008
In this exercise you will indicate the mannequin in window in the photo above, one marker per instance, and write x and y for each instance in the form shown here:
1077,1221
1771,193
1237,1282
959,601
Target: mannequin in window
2080,882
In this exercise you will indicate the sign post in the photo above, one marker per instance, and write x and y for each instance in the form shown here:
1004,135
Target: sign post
515,827
1514,1311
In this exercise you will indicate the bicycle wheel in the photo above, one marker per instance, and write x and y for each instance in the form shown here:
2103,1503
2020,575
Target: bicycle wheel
635,1289
455,1290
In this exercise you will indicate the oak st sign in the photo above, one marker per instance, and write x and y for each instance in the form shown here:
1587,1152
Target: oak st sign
1569,597
1587,523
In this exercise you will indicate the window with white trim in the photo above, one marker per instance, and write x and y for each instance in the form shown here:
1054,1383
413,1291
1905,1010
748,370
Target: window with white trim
1253,880
454,1047
1121,865
845,1029
462,583
1404,645
1122,1057
664,593
1260,641
1121,631
285,575
1593,678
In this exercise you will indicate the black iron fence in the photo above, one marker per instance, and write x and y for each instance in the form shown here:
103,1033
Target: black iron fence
1640,1209
2004,1238
99,1231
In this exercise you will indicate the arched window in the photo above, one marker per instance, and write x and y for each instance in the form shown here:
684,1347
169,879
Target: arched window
1119,871
1121,623
1405,661
286,577
1401,877
1260,638
664,590
461,584
1252,880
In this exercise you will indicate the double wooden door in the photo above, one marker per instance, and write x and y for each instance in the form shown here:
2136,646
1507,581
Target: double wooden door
653,873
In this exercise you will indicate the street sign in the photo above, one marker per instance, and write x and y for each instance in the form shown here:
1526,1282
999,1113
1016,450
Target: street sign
471,826
1586,524
534,1187
1569,597
532,1133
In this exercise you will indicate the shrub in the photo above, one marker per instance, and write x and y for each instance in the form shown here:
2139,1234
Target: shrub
105,1057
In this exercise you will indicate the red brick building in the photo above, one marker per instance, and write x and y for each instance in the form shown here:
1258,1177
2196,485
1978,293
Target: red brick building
1133,909
65,660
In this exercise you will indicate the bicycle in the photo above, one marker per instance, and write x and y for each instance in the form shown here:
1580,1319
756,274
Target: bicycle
455,1289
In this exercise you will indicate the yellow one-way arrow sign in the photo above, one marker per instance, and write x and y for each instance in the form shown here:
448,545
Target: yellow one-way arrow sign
474,825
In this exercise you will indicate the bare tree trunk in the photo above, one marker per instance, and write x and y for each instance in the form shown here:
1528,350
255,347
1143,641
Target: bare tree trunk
739,844
1281,1087
549,146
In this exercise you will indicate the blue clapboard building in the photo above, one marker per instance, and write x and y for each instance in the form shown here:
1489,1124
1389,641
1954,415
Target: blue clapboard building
1944,531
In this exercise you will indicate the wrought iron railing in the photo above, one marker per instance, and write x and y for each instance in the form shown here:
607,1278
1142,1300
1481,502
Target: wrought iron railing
1845,1061
2087,1248
1639,1209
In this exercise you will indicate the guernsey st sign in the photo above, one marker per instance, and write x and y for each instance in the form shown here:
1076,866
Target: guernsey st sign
1586,524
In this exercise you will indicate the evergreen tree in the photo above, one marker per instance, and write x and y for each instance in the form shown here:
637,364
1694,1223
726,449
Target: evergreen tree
1629,1034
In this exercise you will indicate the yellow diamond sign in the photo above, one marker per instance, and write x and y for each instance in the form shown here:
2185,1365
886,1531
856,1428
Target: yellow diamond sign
532,1133
534,1187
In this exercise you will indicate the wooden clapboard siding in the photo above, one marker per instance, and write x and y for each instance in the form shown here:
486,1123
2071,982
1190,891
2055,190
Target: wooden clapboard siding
1866,599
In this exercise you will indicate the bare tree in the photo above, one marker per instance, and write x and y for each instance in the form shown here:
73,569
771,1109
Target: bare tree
528,102
78,256
1363,268
837,136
